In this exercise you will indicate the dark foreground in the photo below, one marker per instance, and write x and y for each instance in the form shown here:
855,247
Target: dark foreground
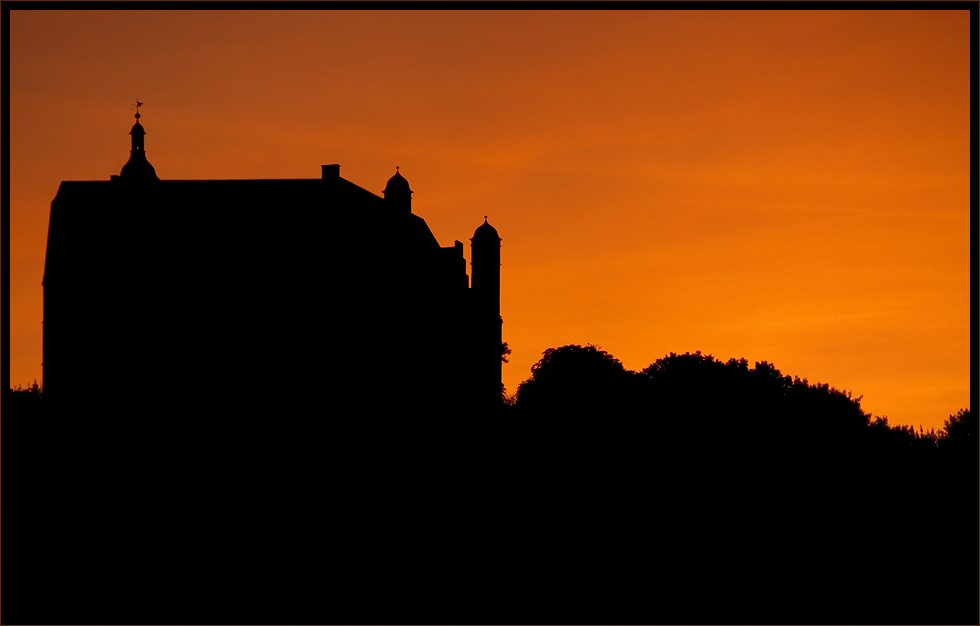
487,519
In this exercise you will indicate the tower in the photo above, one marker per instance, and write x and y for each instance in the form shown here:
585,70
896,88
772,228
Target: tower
138,168
487,334
397,193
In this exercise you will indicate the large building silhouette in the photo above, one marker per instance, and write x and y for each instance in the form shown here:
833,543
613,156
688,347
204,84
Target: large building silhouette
250,296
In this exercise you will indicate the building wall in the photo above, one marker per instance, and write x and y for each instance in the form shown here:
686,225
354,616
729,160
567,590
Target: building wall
256,297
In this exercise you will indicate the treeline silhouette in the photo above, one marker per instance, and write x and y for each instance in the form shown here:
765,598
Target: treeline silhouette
742,487
693,491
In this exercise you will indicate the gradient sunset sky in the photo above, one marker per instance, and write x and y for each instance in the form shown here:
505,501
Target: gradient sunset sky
788,186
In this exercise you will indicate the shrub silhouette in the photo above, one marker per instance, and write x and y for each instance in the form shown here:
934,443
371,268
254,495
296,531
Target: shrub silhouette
960,431
572,382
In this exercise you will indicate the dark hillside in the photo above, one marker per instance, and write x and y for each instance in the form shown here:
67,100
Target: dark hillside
693,491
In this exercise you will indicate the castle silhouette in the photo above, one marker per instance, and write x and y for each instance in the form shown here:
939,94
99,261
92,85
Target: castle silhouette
266,294
696,489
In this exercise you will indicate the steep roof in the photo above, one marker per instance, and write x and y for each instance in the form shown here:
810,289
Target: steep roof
295,217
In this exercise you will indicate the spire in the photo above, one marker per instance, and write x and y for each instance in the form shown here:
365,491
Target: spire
138,168
137,131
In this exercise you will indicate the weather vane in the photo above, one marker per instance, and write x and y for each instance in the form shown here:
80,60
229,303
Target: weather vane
138,105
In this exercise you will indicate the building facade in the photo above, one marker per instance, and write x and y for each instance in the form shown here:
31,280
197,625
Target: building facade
251,297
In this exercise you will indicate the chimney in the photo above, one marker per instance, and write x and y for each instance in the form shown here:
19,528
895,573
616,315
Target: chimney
331,171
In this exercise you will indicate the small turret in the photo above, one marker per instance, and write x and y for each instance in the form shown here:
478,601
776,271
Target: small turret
397,193
138,168
487,333
485,247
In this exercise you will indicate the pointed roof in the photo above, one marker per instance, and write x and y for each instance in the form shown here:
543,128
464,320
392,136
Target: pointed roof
486,232
397,184
138,168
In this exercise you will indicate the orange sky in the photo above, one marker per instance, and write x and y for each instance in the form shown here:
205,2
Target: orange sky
783,186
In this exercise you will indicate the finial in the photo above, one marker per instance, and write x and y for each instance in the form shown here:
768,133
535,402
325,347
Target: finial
396,169
484,219
138,105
